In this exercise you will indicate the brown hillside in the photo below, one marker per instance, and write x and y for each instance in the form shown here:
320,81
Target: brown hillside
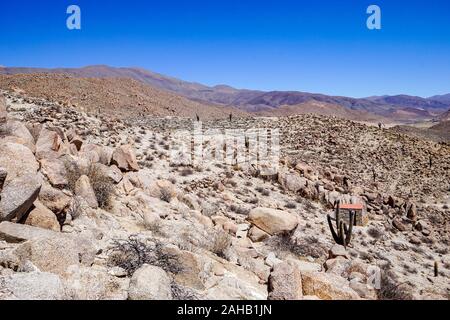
120,97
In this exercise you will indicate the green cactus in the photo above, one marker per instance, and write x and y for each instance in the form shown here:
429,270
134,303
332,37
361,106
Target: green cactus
343,234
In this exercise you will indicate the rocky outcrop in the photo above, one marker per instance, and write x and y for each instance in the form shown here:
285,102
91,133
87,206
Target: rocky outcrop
48,144
125,159
42,217
273,221
150,283
32,286
285,282
84,190
22,184
327,286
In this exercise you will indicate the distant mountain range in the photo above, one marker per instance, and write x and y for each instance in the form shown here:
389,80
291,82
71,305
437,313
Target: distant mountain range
398,108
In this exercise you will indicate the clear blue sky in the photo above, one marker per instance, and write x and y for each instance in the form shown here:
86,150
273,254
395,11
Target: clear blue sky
314,46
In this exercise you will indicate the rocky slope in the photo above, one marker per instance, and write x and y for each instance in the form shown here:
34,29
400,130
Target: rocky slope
91,207
118,97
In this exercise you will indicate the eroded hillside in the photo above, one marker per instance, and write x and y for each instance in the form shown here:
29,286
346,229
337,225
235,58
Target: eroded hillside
94,208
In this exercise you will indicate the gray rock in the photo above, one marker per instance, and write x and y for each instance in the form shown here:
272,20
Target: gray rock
48,144
125,159
273,221
84,190
150,283
18,197
285,282
48,250
32,286
3,113
3,175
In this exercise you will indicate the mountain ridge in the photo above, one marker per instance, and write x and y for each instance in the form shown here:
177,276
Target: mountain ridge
398,107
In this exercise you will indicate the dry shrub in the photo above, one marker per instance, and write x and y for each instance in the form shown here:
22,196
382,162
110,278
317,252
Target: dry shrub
75,208
132,253
103,187
391,289
73,173
303,247
186,172
239,210
374,233
221,242
180,292
290,205
165,194
5,130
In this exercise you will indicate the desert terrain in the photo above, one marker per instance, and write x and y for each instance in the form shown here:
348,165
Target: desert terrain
93,204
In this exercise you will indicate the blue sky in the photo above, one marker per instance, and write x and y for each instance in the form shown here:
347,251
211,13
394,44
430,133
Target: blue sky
313,46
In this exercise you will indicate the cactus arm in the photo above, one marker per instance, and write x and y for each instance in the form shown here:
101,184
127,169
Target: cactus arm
341,234
333,233
350,229
337,214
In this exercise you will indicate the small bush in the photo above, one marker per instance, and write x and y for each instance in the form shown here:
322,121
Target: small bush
221,242
307,246
165,195
391,289
132,253
182,293
263,191
239,210
290,205
73,173
75,208
186,172
374,233
5,130
103,187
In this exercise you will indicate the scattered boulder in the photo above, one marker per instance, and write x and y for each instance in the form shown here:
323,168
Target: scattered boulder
3,174
327,286
55,253
291,181
3,113
18,196
19,130
32,286
17,160
411,211
84,190
55,200
337,251
273,221
48,144
399,225
285,282
94,283
125,159
150,283
14,232
257,235
162,189
55,171
42,217
77,141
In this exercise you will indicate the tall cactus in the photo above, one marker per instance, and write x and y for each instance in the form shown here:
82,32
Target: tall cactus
343,234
